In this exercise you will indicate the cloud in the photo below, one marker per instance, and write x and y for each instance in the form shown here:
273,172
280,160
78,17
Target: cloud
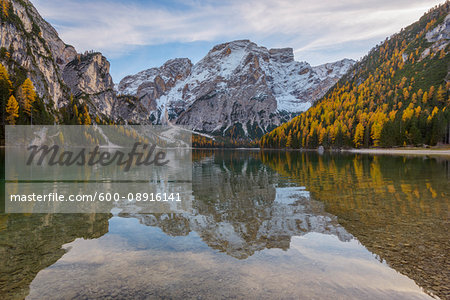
114,27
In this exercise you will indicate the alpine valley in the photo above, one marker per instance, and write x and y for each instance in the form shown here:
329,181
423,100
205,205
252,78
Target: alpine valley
396,95
238,90
140,212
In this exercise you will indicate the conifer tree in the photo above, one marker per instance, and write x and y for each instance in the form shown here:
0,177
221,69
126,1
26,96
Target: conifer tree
431,93
87,118
440,94
4,7
4,76
359,135
12,109
5,91
425,97
289,140
27,97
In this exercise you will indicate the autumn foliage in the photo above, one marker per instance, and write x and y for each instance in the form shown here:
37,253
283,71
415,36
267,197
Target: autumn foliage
397,95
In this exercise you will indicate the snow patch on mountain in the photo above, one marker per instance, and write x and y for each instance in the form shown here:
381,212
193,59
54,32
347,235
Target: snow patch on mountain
235,83
130,84
334,70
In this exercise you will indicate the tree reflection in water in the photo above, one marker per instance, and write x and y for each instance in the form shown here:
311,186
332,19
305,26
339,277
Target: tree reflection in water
248,201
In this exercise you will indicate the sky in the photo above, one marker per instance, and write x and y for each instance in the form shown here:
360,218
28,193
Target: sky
137,34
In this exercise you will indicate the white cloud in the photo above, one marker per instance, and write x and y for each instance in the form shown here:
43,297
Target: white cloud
305,25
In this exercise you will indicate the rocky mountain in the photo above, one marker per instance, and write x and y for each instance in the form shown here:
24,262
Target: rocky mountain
88,78
31,47
238,87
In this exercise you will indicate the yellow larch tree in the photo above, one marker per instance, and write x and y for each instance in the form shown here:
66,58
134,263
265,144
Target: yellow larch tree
359,135
27,96
12,109
87,118
5,82
5,7
440,94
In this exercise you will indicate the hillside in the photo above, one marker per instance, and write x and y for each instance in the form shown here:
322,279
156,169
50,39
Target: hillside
398,94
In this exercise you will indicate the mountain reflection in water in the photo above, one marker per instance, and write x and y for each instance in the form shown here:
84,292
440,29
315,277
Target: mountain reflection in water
262,225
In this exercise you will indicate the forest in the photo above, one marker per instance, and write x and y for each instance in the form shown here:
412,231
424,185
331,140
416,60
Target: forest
397,95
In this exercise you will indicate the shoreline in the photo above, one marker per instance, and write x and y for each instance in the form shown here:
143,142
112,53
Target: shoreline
389,151
400,151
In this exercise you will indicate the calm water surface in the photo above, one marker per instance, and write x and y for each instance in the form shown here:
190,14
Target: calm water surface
262,225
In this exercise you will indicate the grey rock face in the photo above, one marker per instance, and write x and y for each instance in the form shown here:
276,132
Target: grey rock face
151,84
54,67
439,36
34,46
440,32
236,84
88,76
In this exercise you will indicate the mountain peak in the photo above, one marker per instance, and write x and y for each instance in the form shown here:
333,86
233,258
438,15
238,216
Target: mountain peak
238,84
282,55
233,44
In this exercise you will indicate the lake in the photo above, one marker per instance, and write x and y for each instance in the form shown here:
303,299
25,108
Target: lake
261,225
